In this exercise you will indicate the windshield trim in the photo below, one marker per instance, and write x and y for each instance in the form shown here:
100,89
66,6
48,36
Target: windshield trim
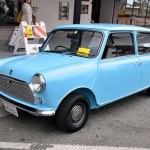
47,41
42,49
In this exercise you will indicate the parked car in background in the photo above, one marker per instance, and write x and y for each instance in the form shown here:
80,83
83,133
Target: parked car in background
87,66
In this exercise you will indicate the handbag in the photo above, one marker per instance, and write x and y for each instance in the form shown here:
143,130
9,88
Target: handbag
19,17
33,19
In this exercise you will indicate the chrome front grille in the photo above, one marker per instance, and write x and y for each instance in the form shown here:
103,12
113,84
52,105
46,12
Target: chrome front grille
16,88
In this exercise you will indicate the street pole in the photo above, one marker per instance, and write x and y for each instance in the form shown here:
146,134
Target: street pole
114,5
131,21
146,13
77,11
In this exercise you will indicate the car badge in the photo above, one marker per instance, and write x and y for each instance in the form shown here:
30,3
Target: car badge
9,82
11,71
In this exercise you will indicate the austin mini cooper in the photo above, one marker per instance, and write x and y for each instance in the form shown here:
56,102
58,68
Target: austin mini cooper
85,67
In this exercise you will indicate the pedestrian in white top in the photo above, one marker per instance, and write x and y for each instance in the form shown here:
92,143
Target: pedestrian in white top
27,12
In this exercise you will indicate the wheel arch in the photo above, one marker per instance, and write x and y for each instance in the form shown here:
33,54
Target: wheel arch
87,93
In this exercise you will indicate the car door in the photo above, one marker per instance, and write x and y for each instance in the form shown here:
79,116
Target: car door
120,68
143,41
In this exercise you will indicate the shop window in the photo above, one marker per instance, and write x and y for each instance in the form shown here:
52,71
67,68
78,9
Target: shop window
9,10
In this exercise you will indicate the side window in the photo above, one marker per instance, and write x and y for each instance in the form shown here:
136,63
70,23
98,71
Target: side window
119,44
143,40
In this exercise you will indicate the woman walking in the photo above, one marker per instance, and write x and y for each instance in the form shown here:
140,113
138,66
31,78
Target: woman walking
26,12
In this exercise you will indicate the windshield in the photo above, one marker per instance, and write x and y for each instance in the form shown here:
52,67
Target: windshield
75,42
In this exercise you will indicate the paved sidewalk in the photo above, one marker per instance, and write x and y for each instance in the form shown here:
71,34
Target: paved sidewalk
5,31
5,51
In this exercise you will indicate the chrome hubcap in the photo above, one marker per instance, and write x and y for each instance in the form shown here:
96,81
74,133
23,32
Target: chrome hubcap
76,113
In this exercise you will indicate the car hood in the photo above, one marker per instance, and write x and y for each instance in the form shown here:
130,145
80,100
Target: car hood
24,67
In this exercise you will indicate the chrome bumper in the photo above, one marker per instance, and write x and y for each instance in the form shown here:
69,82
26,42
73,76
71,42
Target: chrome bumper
28,109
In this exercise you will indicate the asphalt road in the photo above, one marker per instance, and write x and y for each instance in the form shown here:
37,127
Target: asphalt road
125,123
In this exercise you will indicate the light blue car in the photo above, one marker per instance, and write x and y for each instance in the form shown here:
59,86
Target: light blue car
87,66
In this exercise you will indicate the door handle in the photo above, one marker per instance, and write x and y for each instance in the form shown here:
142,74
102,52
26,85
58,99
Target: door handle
138,63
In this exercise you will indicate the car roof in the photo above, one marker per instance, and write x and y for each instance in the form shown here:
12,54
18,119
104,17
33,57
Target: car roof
101,26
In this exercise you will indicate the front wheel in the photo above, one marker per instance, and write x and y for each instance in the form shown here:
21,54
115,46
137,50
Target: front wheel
73,113
148,91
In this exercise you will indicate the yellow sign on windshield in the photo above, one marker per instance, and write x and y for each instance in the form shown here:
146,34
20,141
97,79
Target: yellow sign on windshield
83,51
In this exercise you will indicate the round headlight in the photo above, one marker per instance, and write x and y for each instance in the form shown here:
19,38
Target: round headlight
38,83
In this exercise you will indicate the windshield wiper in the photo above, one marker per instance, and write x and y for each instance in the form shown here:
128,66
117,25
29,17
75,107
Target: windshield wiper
71,53
53,51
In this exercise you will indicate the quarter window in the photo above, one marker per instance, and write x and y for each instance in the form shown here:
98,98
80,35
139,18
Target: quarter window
143,40
119,44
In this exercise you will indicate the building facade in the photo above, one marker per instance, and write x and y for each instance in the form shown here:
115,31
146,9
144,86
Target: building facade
58,12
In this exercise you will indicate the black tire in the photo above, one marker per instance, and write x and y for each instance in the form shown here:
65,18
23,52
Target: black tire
148,91
73,113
